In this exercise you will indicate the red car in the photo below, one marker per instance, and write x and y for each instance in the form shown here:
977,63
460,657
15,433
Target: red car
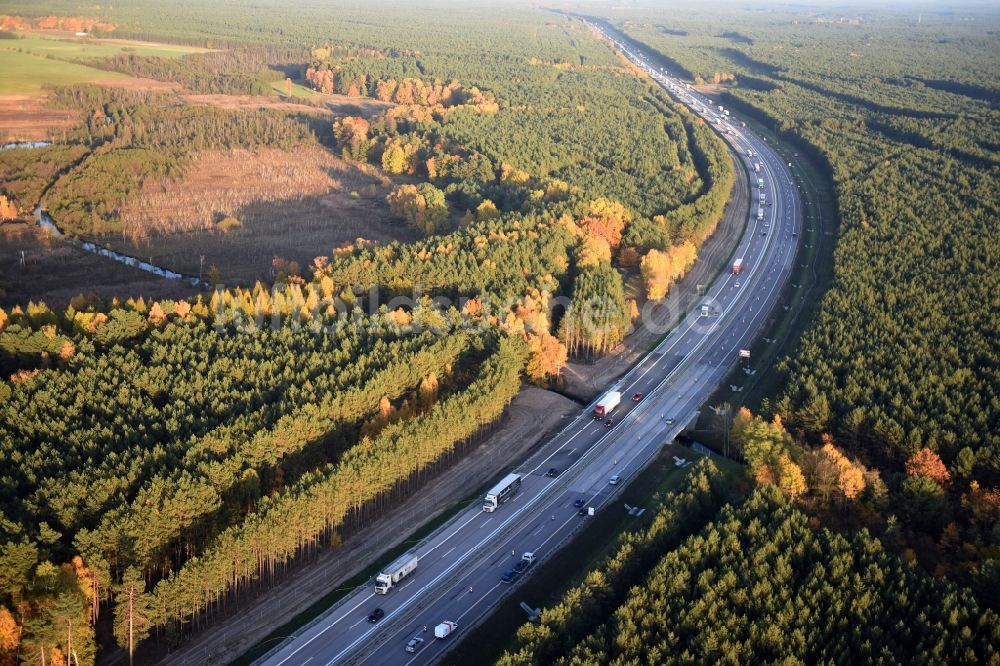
637,397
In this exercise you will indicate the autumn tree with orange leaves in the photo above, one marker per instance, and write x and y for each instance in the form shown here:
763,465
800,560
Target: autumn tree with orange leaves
351,135
928,464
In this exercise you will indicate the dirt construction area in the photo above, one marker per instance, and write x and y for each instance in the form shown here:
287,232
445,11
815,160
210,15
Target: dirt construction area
295,205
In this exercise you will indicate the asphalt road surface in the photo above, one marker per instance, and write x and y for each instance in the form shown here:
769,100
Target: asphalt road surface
459,574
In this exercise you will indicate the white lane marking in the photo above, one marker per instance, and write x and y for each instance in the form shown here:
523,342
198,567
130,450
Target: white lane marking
645,372
454,532
476,602
449,552
327,628
558,449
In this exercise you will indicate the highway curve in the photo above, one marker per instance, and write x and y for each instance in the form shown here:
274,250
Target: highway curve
458,576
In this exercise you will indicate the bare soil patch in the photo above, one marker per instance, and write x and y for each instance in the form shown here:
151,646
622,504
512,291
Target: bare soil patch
55,271
713,88
235,102
296,204
342,105
137,83
26,118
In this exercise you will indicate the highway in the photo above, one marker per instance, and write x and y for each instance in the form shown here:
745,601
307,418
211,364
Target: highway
458,577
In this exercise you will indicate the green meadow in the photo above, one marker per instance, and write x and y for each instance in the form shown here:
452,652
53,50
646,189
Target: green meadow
26,74
27,64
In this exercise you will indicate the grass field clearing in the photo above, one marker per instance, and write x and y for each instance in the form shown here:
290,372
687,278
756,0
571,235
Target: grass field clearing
25,74
86,48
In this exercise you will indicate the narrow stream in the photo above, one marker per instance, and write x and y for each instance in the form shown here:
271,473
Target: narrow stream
25,144
49,225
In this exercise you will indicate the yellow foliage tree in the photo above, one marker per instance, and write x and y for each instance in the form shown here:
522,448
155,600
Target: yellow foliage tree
8,209
592,251
510,174
661,269
384,408
156,314
401,317
428,391
10,637
394,158
182,309
790,478
487,210
67,351
548,355
655,269
633,309
741,423
830,470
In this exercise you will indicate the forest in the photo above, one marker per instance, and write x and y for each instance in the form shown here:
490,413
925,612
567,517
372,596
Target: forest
201,427
900,365
157,444
753,580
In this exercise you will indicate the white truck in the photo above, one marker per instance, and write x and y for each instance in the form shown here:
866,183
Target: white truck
397,570
760,213
607,402
756,167
762,197
749,153
738,266
445,629
508,486
760,183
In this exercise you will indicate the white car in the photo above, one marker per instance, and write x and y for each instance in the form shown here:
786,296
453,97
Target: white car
614,480
737,285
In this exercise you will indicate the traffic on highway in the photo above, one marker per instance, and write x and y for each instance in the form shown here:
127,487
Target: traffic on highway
420,604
